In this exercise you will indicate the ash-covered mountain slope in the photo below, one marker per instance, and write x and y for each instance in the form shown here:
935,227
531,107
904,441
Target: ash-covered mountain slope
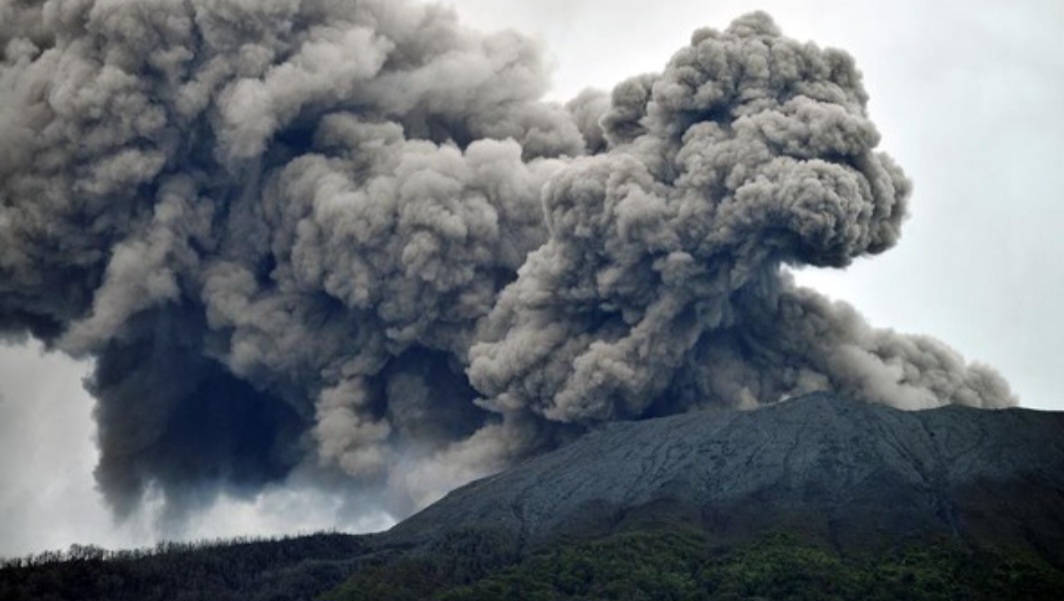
963,503
858,475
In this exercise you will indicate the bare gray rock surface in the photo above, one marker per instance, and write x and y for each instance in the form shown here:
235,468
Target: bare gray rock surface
857,474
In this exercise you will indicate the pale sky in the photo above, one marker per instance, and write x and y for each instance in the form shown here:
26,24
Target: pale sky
967,98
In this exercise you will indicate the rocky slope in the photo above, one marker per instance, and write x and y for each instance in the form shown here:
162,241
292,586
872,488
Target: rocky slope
857,475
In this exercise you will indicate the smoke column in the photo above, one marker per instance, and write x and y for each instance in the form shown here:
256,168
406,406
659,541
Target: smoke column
350,238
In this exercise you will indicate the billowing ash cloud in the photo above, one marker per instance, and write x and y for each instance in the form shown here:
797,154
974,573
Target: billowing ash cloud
350,237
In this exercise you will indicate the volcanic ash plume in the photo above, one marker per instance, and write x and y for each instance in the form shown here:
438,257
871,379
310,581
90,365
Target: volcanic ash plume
350,237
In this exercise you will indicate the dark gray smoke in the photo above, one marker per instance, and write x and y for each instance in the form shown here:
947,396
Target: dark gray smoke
315,234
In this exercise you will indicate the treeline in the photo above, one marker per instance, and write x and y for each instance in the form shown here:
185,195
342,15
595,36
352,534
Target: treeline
77,552
239,569
649,563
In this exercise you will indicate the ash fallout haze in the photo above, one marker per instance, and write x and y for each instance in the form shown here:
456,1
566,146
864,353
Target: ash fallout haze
332,259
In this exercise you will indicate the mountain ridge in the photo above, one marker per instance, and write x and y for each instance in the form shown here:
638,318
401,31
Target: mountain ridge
865,470
818,497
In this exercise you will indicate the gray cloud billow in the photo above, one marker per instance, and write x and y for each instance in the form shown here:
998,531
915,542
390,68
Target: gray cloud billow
351,235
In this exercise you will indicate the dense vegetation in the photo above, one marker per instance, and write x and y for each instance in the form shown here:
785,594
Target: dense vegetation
280,569
681,565
664,562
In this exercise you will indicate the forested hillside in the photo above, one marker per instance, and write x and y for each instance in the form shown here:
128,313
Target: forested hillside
664,561
294,568
682,564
